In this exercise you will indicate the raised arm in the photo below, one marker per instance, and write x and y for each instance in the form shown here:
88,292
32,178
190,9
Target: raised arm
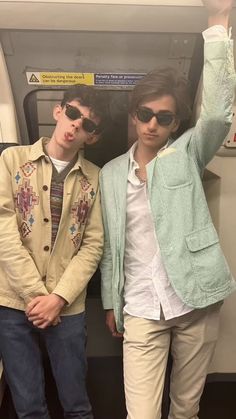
218,12
218,84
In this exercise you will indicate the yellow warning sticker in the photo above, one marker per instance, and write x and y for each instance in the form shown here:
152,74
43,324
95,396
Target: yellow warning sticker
33,78
59,78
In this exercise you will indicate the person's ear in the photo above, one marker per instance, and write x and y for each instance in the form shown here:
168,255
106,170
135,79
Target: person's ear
133,118
176,125
57,111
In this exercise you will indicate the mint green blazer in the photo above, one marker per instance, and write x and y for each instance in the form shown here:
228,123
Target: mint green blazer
189,244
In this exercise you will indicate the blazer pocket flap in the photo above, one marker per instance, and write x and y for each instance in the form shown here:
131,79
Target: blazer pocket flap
202,239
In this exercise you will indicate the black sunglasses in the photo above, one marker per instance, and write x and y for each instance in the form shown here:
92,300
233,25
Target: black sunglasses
74,113
164,118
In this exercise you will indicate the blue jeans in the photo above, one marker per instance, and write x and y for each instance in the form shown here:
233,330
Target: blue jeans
22,362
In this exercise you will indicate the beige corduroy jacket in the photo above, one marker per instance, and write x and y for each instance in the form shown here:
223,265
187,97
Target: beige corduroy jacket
28,265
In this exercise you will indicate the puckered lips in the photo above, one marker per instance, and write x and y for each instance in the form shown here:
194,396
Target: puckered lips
69,136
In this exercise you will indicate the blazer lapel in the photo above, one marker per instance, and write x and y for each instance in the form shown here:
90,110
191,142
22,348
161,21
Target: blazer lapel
120,192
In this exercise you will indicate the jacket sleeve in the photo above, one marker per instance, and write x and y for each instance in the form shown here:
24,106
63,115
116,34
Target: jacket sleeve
15,259
83,265
106,262
217,100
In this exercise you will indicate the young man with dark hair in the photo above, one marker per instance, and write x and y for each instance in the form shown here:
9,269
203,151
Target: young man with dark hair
51,242
163,273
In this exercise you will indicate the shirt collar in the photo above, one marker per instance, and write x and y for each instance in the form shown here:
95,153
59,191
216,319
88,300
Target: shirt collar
133,164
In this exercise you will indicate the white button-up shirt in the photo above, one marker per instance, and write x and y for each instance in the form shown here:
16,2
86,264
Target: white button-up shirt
147,287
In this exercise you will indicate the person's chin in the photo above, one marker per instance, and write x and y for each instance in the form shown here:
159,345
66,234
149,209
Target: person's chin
152,140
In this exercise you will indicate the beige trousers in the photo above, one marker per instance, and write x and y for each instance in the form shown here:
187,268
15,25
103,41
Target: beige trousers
192,338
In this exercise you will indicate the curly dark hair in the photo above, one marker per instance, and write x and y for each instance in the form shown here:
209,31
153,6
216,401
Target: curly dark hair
90,97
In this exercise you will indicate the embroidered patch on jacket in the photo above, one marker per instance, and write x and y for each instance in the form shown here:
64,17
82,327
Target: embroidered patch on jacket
17,177
80,211
73,229
77,240
84,184
31,220
28,168
24,230
92,193
25,199
81,208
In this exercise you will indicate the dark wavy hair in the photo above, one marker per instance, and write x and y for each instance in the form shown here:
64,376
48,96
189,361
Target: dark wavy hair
161,82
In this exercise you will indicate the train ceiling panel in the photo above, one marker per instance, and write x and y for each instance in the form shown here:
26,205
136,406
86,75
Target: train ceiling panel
97,15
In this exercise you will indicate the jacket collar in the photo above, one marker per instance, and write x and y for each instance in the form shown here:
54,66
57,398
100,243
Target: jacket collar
38,151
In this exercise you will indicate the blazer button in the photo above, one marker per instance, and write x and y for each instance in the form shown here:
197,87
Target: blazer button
46,248
44,278
46,220
45,187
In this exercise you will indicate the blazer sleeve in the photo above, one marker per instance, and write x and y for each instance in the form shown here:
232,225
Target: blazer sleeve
217,99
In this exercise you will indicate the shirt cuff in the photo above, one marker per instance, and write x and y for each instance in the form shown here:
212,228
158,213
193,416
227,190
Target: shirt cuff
216,33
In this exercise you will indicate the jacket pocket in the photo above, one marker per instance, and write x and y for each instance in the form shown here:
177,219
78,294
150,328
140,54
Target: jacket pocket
175,170
207,260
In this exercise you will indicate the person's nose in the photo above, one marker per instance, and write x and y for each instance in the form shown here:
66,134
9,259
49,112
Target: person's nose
77,123
153,124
